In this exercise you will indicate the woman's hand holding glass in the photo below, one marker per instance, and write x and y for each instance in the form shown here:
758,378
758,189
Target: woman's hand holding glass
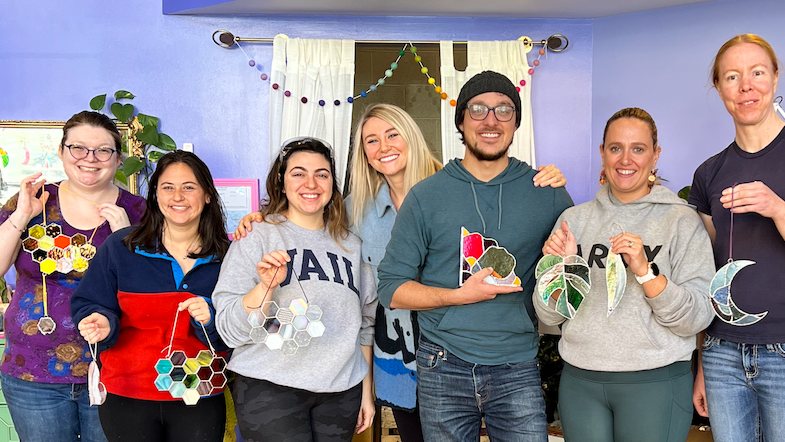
272,268
198,309
630,247
561,242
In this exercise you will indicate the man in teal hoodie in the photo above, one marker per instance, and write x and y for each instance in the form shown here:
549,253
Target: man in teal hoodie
476,357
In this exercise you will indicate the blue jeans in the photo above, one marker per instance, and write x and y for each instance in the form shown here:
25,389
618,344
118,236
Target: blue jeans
51,412
455,396
745,390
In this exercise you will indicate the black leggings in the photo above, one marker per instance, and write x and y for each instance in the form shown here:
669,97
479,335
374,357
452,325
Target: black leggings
271,412
408,423
126,419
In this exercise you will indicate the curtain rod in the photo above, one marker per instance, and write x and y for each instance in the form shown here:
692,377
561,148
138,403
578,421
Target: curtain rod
225,39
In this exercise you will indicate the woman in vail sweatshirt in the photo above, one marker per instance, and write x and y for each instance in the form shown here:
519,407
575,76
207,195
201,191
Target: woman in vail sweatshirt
627,374
298,378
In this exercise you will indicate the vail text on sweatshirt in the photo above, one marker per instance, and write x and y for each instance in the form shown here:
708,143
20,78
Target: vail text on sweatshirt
332,276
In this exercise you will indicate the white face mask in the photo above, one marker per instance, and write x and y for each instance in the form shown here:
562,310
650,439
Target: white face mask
95,388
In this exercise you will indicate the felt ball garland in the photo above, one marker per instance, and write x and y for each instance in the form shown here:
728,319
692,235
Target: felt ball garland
387,74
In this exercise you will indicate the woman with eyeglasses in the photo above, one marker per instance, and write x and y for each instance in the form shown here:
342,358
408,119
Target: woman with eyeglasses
44,370
297,378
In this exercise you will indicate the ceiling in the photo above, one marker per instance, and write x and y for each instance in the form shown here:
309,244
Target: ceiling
455,8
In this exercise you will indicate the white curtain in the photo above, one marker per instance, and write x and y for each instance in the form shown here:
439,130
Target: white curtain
316,70
505,57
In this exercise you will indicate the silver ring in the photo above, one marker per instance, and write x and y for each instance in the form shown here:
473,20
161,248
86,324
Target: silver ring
629,243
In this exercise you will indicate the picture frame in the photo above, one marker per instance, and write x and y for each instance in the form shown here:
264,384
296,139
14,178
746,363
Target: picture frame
28,147
239,197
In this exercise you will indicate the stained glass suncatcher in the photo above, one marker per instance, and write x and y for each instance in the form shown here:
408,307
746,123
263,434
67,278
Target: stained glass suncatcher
191,378
286,329
479,252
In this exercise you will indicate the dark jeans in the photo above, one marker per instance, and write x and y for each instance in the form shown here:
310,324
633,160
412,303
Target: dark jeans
126,419
455,395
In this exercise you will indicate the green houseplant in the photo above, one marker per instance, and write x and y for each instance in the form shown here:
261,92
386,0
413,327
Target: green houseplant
146,144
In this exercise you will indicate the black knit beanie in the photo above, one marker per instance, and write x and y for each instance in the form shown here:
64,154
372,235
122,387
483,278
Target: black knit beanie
487,81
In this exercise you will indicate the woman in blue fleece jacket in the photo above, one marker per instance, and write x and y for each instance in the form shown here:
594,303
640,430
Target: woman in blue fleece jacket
142,279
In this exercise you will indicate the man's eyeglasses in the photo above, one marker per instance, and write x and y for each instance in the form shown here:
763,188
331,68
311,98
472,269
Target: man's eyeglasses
479,112
80,152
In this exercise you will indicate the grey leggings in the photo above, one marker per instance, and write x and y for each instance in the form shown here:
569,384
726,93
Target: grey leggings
271,412
639,406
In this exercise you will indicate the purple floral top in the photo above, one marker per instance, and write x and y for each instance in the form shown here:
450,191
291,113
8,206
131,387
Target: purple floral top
61,357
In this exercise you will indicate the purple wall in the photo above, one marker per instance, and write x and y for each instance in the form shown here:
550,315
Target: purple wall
659,61
54,57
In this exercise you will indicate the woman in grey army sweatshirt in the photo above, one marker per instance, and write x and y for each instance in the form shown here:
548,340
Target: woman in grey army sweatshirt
627,374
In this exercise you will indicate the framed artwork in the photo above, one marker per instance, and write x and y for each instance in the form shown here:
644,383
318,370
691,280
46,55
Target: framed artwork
240,197
28,147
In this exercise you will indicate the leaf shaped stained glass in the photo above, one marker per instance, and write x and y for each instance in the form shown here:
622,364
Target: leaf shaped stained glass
616,280
564,278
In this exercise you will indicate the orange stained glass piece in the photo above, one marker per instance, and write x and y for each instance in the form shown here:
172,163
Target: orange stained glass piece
62,241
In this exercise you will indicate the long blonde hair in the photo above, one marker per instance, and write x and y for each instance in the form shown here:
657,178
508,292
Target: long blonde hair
365,180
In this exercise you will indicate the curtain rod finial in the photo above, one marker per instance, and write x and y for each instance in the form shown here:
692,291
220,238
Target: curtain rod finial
557,43
224,39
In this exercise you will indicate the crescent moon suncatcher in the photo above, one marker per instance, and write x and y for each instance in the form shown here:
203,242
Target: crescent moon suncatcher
721,298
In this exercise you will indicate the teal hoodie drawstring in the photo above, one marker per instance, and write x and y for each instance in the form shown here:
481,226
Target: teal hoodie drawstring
477,207
500,206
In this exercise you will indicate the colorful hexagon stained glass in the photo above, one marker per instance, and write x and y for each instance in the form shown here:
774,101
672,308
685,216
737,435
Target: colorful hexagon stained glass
191,378
56,252
286,329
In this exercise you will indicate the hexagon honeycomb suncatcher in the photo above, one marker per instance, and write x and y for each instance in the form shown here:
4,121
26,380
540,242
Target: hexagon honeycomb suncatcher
286,328
190,378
